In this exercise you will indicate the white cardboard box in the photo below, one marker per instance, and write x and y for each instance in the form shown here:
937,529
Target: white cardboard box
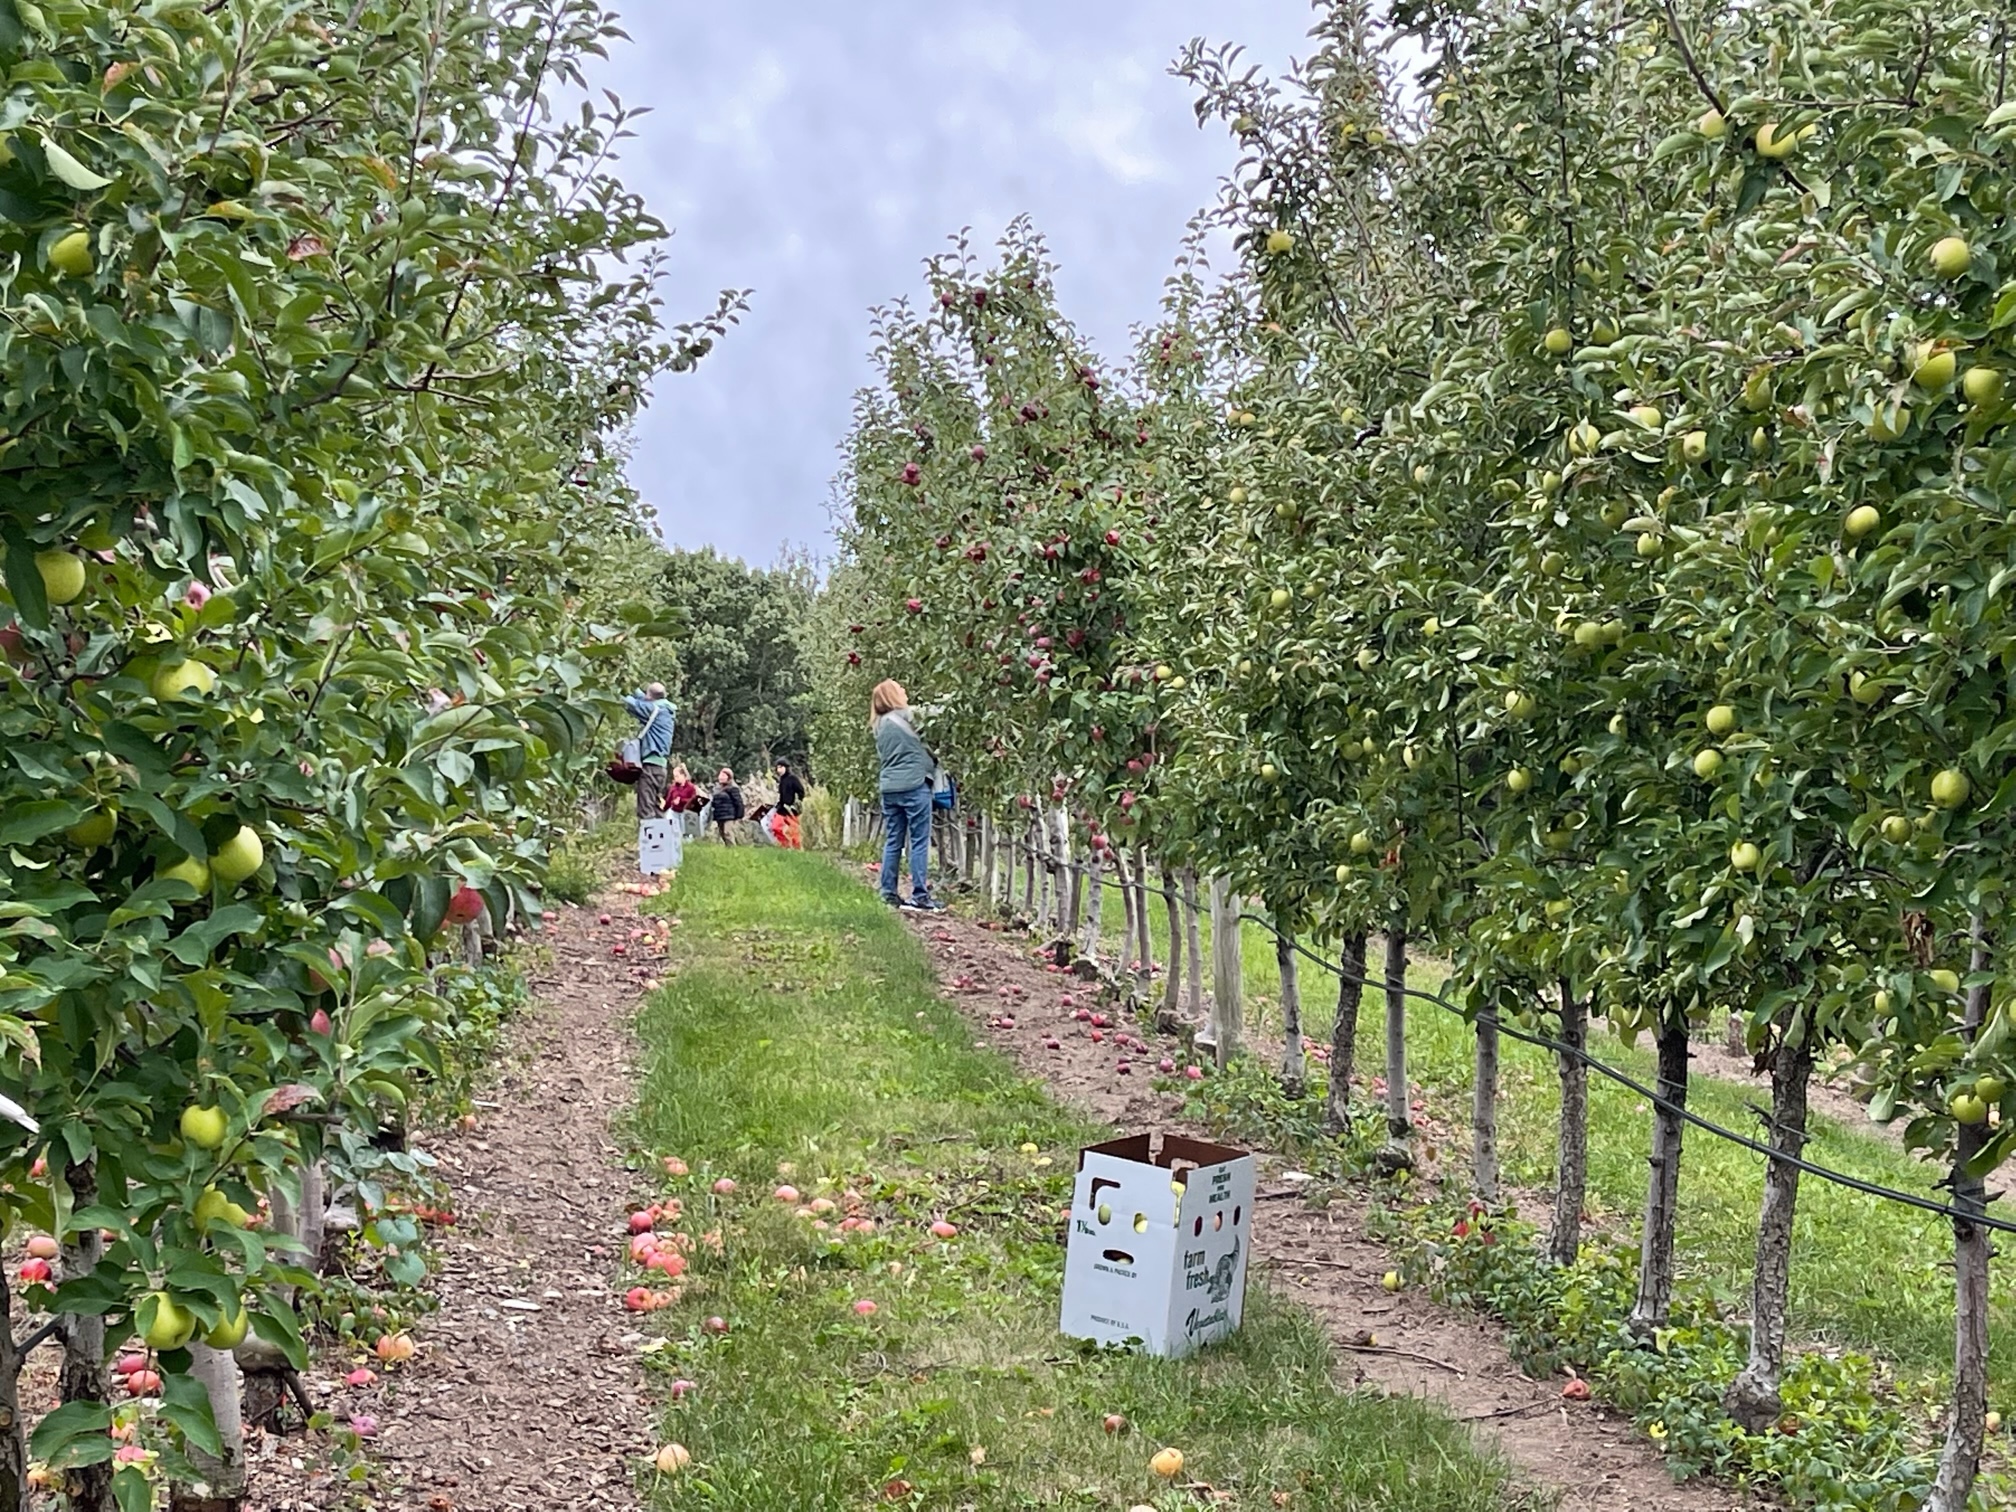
1160,1236
657,846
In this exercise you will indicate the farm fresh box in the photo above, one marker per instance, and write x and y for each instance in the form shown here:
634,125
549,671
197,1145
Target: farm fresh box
1158,1243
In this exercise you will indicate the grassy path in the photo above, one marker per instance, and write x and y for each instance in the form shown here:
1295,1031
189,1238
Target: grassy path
801,1040
1867,1274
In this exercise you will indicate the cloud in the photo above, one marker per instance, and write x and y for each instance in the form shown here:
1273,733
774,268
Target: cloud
819,154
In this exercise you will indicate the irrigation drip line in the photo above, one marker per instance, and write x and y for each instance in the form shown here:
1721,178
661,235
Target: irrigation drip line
1563,1048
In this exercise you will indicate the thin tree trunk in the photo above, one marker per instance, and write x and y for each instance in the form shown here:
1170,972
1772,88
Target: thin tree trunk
81,1376
1571,1144
1294,1062
1095,889
1069,900
13,1441
1960,1459
1655,1257
1344,1033
1144,961
1028,849
1398,1153
1752,1398
1195,940
848,810
1170,1019
222,1488
1484,1112
1039,916
1123,873
1227,972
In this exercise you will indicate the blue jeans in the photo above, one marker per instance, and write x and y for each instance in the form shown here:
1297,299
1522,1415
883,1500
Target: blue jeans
907,812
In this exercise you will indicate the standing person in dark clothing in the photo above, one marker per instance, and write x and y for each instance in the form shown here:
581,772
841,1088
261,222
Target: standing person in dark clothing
790,804
725,807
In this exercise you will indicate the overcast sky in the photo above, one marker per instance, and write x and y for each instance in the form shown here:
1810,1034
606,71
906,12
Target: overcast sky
816,153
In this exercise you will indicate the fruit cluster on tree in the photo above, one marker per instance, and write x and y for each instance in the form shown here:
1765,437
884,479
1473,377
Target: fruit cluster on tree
1575,538
321,332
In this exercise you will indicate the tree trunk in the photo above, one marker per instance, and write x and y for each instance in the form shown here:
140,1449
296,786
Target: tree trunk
1484,1112
472,945
81,1376
1227,973
299,1217
1039,918
1752,1398
1960,1459
1095,889
1294,1063
1655,1256
1571,1142
1195,940
1344,1033
222,1487
1398,1153
1144,961
1123,873
13,1441
1029,873
1170,1018
1069,911
848,810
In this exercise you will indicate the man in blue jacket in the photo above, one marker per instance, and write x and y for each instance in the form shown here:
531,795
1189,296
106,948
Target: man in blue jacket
651,709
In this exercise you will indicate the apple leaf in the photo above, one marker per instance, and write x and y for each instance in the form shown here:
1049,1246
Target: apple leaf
69,170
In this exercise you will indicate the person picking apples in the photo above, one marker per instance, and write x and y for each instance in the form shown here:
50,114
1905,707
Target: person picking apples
908,771
650,708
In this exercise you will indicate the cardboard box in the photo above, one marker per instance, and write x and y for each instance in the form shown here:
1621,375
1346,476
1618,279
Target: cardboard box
657,847
1160,1236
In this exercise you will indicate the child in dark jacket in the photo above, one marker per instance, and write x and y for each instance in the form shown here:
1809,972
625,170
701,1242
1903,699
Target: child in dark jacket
725,807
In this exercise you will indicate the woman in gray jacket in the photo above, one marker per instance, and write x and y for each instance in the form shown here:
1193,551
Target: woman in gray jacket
906,795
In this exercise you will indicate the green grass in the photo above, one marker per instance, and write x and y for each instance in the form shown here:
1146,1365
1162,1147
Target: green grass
802,1027
1867,1274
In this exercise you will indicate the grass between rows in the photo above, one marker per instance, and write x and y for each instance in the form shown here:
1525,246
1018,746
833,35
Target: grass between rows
1868,1274
801,1034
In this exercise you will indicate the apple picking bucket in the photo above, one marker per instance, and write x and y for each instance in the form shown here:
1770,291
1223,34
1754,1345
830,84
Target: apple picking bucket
1158,1244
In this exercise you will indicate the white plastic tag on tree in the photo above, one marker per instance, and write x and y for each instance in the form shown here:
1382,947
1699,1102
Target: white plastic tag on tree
657,847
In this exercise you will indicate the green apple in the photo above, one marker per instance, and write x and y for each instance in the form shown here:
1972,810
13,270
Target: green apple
1935,370
1982,385
191,869
1268,772
1951,256
1774,144
1343,873
1279,241
1558,342
1518,780
1649,544
1707,763
70,254
1760,442
204,1127
1896,829
1883,1002
1163,672
62,576
1647,415
1712,126
1280,598
1518,704
1361,844
1950,788
1367,658
1618,724
1694,446
239,857
1864,689
1588,635
1966,1108
1721,720
1584,439
1411,756
230,1330
173,680
213,1206
1945,980
1744,856
1862,519
164,1324
1889,422
94,829
1990,1088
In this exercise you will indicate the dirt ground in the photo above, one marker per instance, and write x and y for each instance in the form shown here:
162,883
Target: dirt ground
1325,1259
527,1394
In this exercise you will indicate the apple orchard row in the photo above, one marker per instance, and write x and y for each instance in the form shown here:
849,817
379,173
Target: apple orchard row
1573,539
